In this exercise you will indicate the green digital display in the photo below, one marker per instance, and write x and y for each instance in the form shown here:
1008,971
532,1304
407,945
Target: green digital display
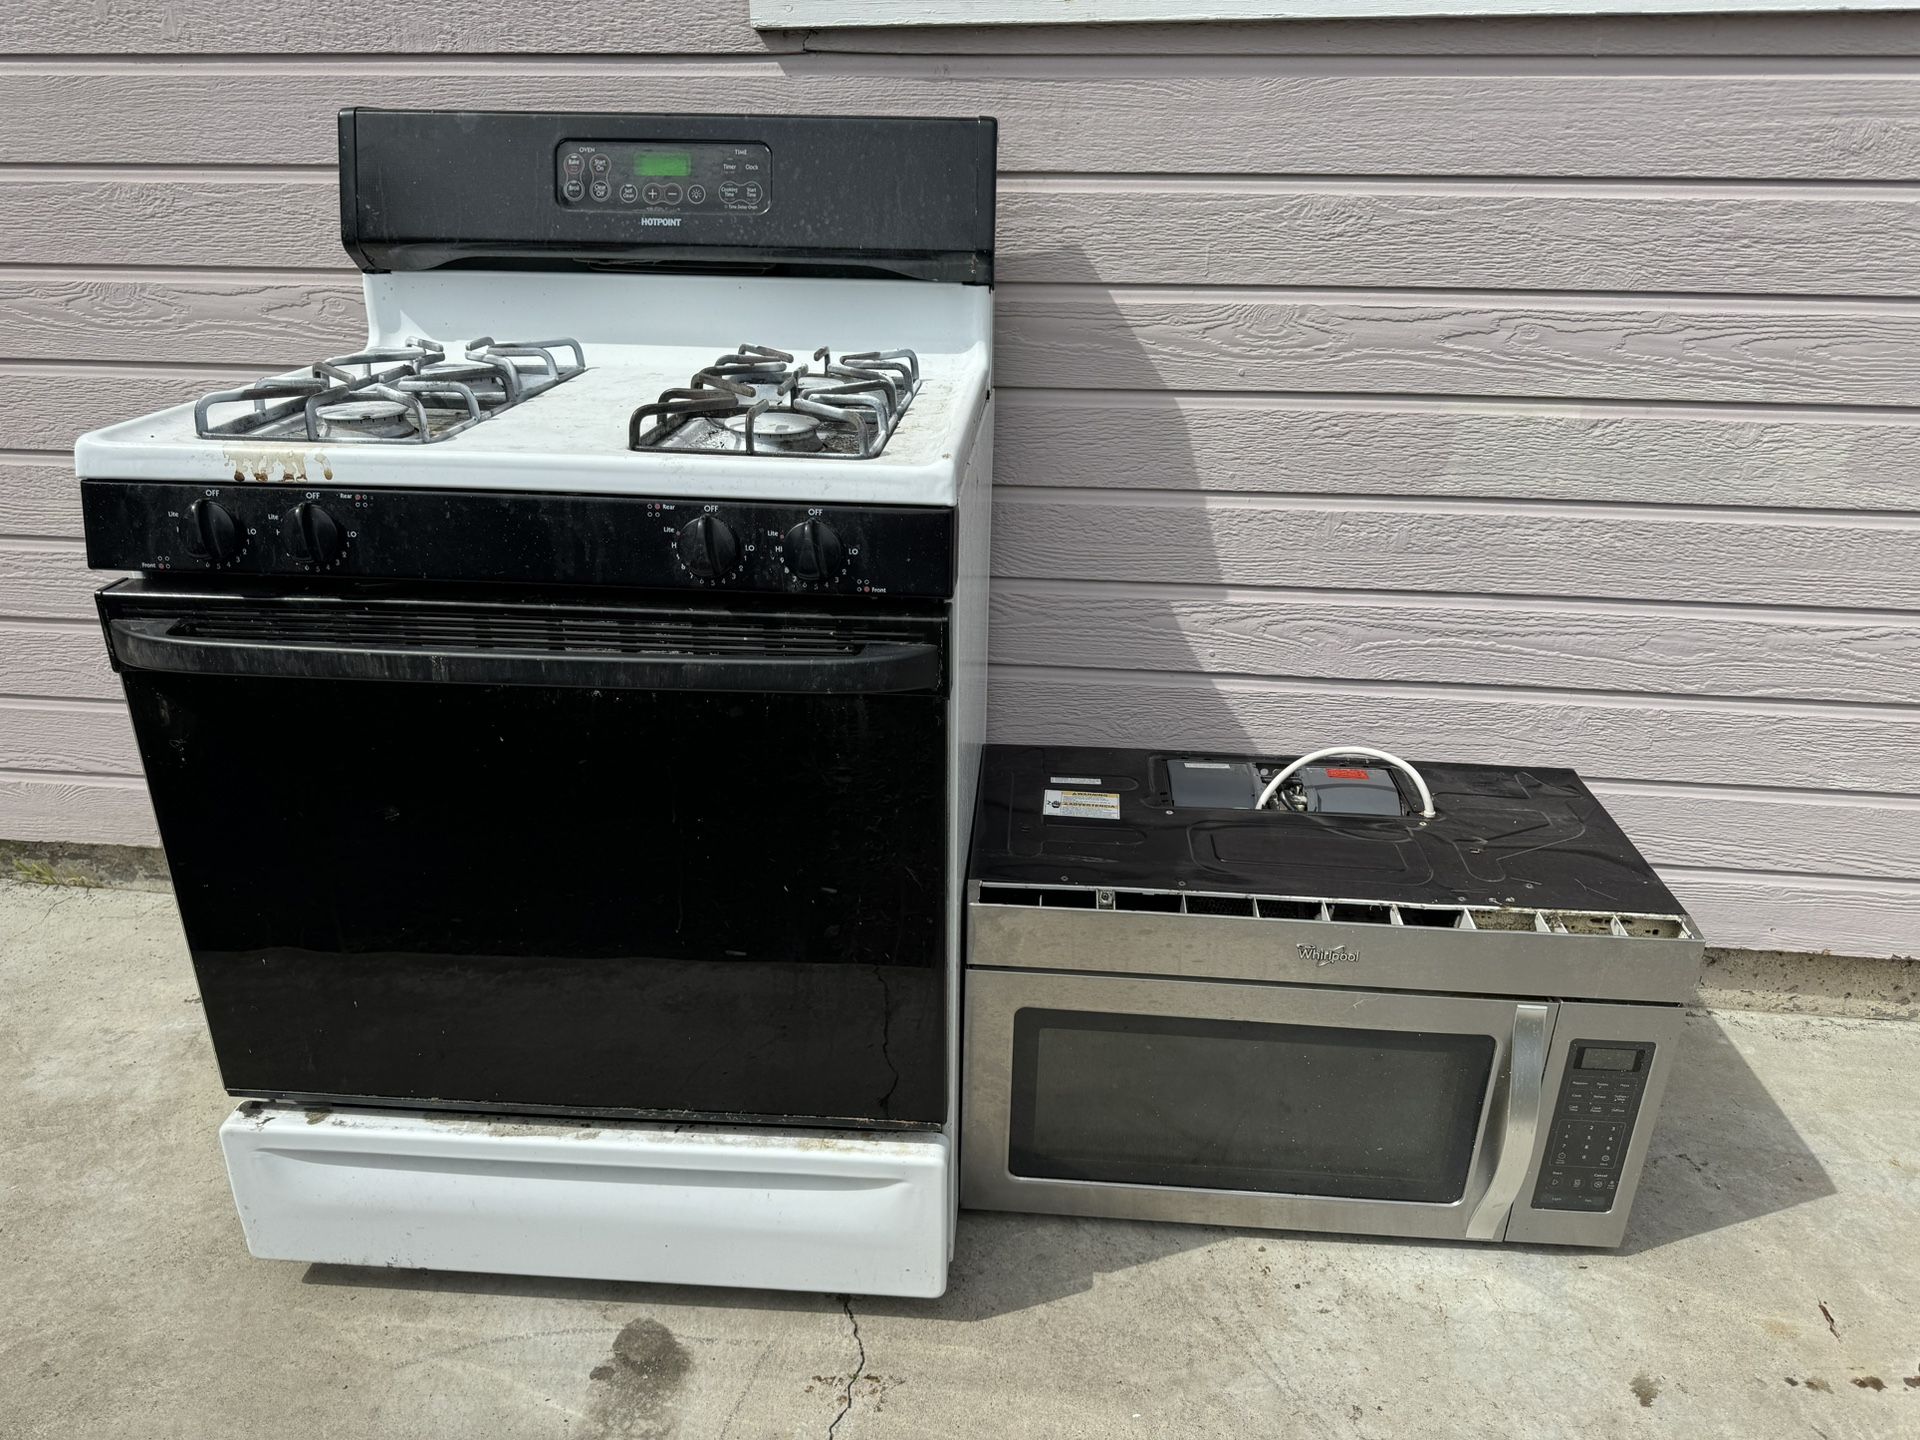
655,164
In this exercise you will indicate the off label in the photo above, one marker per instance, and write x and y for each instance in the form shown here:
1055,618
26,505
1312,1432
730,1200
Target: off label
1084,804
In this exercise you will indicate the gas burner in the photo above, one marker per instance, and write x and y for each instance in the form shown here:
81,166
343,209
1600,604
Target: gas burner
410,393
778,429
758,401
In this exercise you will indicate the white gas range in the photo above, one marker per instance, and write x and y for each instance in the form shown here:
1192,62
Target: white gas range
562,714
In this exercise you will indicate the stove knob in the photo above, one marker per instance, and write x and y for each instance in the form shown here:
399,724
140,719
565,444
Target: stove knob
215,535
707,547
313,536
813,551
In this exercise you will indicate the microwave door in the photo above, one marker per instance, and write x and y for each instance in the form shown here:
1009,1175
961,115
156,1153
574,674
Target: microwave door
1287,1107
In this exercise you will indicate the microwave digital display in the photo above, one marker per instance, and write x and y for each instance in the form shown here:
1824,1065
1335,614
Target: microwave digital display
1595,1057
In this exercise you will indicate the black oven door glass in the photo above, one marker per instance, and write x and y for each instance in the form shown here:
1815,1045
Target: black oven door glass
588,898
1238,1105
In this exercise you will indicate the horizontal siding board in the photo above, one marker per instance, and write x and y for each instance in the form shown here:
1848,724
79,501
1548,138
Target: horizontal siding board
57,661
1735,556
73,736
1609,238
1241,341
45,407
267,322
38,497
188,27
1245,115
1873,836
1775,912
1298,444
1154,231
45,580
1690,743
1367,446
1820,834
1645,649
1598,735
1430,344
99,809
1382,546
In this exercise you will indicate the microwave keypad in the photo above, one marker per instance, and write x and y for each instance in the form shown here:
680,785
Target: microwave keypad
1592,1123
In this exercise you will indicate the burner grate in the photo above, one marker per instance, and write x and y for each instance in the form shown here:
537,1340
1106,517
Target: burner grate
759,401
408,394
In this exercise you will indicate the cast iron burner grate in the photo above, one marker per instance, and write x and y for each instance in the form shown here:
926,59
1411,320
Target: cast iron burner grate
758,401
409,394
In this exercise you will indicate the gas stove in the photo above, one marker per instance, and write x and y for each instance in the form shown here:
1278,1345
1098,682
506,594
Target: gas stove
644,396
614,645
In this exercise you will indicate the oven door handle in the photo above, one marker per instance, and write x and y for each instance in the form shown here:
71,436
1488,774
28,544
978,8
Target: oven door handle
1513,1121
868,668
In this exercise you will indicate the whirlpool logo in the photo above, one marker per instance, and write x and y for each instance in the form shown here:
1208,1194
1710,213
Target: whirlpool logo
1329,955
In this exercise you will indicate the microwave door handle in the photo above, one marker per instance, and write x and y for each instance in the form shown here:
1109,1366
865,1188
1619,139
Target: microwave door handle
869,668
1514,1122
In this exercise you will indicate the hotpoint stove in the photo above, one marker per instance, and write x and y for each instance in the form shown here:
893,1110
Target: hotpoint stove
561,713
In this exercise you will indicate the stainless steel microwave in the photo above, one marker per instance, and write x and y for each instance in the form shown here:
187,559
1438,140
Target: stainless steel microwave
1403,1052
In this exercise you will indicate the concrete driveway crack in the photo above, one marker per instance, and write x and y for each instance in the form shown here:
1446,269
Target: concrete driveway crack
859,1366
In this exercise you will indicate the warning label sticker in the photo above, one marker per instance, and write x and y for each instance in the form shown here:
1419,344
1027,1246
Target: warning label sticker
1083,804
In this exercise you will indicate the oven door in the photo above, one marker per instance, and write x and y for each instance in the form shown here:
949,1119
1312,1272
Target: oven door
668,862
1234,1104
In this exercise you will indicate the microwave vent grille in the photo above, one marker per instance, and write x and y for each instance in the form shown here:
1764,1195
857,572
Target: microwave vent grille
1490,918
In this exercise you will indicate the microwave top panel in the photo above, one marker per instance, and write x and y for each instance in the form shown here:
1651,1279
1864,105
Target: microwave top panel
1533,839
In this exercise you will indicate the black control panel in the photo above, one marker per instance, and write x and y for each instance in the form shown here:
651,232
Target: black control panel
544,539
1592,1124
665,177
896,197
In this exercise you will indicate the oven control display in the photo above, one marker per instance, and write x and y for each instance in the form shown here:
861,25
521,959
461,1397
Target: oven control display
1592,1124
664,178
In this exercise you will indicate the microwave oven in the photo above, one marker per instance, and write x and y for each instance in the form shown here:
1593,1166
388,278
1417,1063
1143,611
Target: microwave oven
1333,1013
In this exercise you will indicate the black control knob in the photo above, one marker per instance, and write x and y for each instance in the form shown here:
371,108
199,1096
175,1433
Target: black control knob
813,551
213,534
313,536
708,547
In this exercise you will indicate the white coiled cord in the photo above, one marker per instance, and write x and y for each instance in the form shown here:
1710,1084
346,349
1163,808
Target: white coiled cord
1351,752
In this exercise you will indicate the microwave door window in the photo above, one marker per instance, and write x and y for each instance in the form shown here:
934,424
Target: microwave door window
1239,1105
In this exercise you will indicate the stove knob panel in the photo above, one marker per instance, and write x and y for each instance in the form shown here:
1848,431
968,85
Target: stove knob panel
213,534
708,547
313,536
813,551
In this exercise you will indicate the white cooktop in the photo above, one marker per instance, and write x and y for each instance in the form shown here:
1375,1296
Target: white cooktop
641,334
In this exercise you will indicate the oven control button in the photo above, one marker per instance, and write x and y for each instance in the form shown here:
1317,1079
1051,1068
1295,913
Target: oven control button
813,551
708,548
313,536
214,535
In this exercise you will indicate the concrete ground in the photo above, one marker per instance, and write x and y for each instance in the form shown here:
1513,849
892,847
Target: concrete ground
1770,1284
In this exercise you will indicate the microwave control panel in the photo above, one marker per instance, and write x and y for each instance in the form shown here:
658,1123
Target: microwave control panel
1592,1124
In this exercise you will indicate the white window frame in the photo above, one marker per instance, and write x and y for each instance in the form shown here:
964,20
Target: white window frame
827,14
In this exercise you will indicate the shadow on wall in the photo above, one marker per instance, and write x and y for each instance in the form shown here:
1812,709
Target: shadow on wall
1099,480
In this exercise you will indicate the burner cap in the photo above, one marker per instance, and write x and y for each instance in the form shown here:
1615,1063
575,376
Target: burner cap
779,429
385,417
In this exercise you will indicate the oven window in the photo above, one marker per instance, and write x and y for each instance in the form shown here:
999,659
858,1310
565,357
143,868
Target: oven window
1235,1105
